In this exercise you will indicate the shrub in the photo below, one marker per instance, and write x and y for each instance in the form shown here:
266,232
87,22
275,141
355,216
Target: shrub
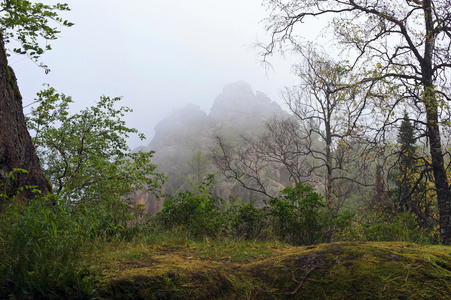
40,250
382,224
246,221
42,242
199,213
297,217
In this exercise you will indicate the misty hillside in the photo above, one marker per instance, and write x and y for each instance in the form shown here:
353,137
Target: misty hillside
189,131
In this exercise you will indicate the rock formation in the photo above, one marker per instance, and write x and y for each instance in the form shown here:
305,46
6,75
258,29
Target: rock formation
236,111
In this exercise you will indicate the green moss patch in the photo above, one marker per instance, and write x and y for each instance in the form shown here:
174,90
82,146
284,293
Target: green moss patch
325,271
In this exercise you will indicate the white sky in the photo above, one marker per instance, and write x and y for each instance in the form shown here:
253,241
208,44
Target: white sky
158,54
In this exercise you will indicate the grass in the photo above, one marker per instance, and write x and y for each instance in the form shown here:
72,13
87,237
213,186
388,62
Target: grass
46,256
153,264
172,266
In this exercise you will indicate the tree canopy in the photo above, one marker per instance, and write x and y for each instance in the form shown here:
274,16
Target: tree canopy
26,27
85,155
29,25
402,48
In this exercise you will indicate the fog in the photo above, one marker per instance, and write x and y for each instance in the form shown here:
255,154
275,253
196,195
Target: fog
158,55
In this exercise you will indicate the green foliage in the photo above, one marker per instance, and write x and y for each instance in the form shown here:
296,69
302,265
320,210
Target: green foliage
381,224
297,216
86,158
198,213
197,171
40,248
29,25
9,188
247,221
85,155
43,244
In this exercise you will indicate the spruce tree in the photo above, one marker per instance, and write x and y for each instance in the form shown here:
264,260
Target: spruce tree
406,141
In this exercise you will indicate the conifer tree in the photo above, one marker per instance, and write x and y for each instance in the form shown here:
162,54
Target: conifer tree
406,165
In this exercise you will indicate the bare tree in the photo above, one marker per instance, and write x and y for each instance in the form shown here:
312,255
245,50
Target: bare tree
406,43
327,106
318,144
280,148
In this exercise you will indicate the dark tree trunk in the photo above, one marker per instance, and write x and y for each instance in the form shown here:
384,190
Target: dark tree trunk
16,148
431,105
440,177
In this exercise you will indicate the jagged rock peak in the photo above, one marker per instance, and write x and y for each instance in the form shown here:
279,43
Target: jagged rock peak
236,107
238,88
238,98
233,96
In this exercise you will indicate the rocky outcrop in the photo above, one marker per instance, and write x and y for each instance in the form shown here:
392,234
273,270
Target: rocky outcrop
236,111
16,147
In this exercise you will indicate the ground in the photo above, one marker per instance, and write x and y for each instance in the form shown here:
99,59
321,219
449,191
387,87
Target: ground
267,271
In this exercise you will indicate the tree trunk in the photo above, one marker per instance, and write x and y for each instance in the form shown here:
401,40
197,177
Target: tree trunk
435,144
440,177
329,179
16,148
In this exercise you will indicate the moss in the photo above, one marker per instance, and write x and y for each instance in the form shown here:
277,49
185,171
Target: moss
170,276
12,81
48,184
325,271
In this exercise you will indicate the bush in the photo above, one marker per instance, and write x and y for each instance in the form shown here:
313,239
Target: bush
40,250
382,224
42,242
246,221
109,218
298,216
199,213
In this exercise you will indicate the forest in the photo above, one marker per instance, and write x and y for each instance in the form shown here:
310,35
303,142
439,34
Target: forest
346,194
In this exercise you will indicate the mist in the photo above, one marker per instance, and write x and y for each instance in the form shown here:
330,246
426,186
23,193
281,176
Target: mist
157,55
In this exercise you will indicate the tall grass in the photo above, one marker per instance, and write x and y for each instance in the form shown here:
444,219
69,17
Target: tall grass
40,250
43,242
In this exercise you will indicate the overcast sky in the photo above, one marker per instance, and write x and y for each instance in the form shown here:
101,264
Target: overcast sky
158,54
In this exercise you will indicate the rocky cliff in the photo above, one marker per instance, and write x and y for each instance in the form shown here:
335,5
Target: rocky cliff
189,131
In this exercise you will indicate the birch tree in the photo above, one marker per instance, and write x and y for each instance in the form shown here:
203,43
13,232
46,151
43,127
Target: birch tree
404,43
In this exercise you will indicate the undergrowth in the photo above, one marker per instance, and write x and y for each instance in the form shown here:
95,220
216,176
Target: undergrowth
52,249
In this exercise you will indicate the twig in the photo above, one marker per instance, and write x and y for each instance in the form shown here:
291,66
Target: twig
301,281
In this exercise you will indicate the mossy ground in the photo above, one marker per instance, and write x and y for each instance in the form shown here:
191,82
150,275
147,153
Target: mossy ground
233,270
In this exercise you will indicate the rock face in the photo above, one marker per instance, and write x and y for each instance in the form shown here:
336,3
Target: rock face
237,107
236,111
16,148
